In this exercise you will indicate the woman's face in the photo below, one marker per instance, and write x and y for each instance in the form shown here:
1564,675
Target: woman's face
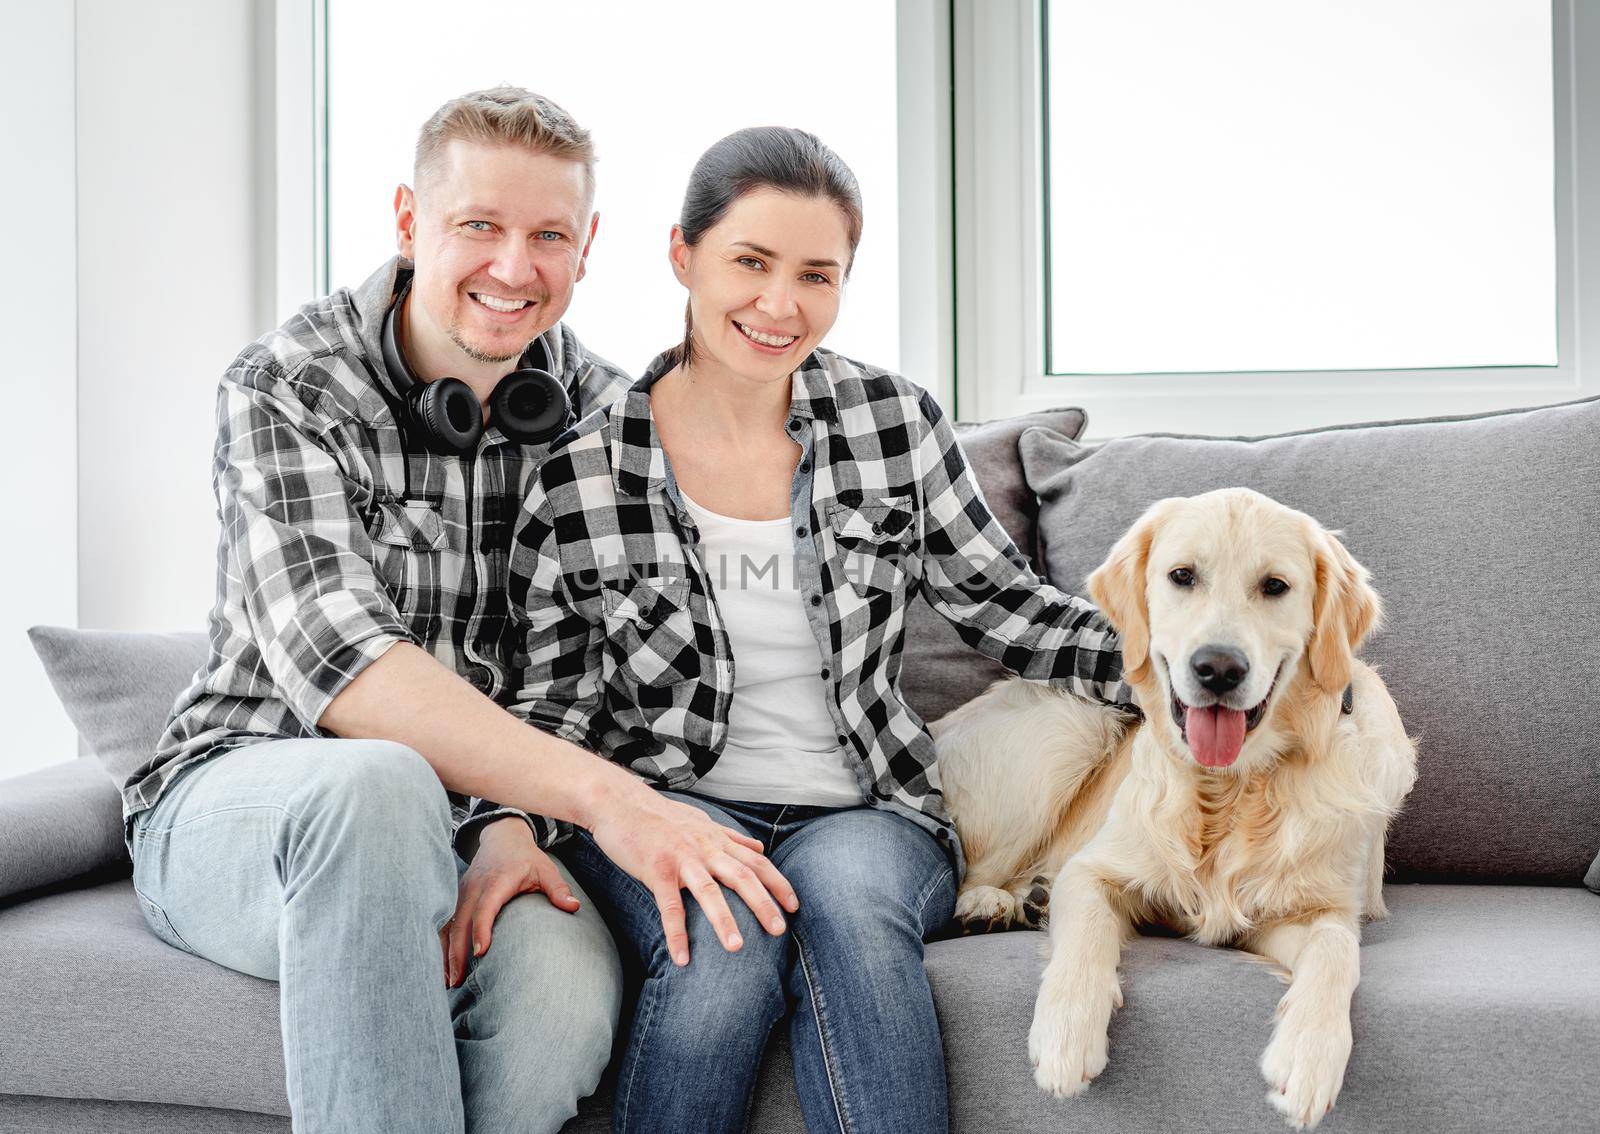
764,282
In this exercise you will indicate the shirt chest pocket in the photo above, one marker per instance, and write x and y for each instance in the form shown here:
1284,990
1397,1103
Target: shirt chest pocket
873,541
650,629
408,541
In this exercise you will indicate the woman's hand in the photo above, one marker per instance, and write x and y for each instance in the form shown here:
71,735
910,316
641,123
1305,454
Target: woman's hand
672,847
508,863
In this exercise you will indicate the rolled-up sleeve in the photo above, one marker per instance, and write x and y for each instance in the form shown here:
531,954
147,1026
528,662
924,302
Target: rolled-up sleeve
977,579
301,556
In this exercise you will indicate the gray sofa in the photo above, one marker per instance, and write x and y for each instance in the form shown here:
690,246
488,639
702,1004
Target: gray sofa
1479,1004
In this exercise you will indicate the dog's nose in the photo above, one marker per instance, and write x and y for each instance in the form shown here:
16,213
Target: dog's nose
1219,668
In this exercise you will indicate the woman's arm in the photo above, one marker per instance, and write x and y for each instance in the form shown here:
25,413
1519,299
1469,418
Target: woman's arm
975,576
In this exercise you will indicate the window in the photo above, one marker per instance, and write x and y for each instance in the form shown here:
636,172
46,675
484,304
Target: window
1251,185
655,84
1247,216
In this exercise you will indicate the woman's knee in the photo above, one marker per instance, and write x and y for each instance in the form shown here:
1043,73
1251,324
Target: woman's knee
721,988
871,873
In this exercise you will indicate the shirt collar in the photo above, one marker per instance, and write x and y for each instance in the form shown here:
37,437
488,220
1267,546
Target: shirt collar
639,463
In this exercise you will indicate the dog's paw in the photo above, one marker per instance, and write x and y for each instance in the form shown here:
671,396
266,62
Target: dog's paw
1304,1065
982,908
1068,1041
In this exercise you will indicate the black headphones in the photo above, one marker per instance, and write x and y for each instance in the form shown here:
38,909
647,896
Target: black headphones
529,405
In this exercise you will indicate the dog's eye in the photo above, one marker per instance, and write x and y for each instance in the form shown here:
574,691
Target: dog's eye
1181,576
1274,587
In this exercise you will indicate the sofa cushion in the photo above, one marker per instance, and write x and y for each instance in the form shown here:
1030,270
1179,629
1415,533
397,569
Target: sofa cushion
98,1007
30,1114
58,823
943,672
118,687
1478,1010
1479,533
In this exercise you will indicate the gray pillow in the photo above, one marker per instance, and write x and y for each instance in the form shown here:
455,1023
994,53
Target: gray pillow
1480,535
57,823
942,672
118,687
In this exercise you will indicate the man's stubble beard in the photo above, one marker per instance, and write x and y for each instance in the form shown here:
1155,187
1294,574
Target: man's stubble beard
472,352
477,355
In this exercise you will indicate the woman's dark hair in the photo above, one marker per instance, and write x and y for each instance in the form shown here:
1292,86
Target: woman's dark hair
763,157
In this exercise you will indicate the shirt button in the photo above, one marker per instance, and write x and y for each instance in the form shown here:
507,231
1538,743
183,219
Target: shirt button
825,672
877,529
843,739
816,600
805,466
800,531
794,423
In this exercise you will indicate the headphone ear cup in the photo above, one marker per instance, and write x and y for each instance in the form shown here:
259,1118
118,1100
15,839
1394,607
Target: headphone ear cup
530,406
447,414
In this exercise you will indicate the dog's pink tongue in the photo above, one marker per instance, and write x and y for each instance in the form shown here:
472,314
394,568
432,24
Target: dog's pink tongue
1215,734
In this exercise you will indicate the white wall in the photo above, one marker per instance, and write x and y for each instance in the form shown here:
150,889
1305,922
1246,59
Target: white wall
167,277
38,326
133,238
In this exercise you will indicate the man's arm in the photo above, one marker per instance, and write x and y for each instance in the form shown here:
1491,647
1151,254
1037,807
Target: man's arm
475,746
323,618
478,748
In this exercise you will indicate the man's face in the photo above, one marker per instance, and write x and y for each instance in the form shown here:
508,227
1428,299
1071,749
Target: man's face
499,236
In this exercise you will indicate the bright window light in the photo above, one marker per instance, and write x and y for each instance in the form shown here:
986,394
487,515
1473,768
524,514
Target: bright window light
655,84
1258,185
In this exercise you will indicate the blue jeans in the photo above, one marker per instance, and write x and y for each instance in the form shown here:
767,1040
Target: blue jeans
848,973
326,865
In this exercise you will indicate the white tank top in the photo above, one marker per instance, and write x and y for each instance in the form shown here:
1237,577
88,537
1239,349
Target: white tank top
782,745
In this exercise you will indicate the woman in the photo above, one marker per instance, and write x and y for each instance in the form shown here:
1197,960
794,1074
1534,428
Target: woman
714,574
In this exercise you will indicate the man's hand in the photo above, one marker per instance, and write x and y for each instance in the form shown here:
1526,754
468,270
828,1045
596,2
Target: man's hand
672,847
508,863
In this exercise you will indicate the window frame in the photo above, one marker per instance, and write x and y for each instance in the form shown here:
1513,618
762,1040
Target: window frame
1000,290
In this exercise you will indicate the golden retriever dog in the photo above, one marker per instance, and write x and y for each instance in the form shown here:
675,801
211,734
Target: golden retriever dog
1249,808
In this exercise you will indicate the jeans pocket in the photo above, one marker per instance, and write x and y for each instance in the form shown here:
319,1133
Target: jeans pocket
160,924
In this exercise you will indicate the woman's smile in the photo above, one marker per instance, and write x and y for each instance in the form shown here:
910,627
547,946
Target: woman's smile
767,342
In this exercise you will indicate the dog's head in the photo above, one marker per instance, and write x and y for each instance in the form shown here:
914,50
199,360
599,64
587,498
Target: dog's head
1224,602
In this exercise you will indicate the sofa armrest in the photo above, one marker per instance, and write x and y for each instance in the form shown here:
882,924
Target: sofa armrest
58,823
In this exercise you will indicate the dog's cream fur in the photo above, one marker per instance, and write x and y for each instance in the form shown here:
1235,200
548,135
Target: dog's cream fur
1279,853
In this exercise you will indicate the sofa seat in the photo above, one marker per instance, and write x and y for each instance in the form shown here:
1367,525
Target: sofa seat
1478,1010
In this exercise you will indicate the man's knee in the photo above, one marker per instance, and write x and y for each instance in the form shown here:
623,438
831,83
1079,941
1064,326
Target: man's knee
377,807
553,969
378,777
546,995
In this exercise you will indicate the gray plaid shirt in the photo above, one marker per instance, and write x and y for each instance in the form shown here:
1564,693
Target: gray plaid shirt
337,542
626,651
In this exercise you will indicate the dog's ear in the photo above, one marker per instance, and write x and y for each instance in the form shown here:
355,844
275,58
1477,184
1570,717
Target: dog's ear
1117,588
1345,610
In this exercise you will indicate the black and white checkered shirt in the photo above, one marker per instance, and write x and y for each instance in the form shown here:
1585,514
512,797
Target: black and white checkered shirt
337,541
627,653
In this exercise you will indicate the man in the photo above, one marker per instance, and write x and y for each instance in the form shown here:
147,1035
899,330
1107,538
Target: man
294,822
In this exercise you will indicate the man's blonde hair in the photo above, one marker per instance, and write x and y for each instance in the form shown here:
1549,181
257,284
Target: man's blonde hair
505,116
